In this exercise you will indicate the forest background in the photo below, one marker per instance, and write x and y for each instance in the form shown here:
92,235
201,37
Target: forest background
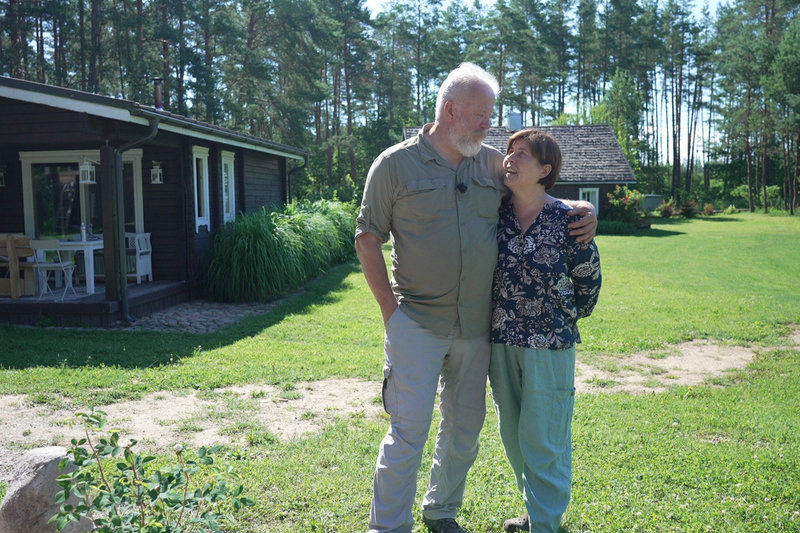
705,105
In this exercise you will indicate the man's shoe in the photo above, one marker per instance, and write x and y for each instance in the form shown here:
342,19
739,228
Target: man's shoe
523,523
443,525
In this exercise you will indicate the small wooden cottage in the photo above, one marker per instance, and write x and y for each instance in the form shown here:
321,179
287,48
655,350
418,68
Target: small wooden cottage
593,161
132,195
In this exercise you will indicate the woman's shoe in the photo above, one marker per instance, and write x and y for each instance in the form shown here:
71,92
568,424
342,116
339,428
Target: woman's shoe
523,523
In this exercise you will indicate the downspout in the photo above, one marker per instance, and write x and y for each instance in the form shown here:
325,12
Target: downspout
119,222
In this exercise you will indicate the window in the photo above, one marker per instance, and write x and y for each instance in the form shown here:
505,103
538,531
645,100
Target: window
228,186
202,216
592,196
55,203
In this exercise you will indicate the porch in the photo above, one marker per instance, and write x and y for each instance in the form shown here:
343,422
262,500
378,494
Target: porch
92,310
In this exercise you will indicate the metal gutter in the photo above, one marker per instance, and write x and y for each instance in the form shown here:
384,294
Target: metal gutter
189,127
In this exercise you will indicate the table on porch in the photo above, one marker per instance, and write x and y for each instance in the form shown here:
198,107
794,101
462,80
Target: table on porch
87,247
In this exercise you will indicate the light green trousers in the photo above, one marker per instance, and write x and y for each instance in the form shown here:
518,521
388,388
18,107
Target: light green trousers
534,394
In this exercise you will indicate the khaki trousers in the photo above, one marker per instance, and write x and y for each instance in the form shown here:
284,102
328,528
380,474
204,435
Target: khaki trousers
416,359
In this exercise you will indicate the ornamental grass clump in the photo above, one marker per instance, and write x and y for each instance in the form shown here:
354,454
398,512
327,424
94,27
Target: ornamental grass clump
343,217
252,260
261,256
313,235
120,491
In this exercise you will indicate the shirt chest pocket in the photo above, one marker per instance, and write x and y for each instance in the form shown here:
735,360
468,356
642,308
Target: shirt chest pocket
485,197
424,197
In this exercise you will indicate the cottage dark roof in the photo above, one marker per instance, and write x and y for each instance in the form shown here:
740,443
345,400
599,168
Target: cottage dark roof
591,154
129,111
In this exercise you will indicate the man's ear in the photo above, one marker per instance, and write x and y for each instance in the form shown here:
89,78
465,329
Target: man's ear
450,109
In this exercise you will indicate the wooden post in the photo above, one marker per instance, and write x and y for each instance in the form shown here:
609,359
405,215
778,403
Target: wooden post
110,215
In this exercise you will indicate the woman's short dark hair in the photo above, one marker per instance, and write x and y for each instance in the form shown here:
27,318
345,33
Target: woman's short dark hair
544,148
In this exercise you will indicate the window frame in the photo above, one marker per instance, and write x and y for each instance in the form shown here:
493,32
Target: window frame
228,182
594,197
28,159
200,155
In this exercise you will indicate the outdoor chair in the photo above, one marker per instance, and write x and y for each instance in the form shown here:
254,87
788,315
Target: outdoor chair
141,256
47,259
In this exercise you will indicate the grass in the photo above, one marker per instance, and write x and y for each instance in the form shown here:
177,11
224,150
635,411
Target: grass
709,458
730,278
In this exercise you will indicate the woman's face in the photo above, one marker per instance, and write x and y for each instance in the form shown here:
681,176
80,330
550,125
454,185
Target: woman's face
522,168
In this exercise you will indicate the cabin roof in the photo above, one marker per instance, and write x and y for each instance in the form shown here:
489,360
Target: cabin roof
590,153
136,113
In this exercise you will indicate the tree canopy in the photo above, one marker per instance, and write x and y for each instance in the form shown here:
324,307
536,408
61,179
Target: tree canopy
718,92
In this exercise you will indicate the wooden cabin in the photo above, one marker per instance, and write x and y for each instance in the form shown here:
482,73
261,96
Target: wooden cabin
133,193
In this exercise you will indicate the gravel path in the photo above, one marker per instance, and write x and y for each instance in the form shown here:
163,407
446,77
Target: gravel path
199,316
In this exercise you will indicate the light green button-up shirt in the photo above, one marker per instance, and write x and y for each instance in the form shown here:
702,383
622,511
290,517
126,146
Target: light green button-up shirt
442,223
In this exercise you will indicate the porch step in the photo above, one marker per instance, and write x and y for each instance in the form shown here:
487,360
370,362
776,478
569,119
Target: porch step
94,311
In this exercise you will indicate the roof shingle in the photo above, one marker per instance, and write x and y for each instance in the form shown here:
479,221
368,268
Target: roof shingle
590,153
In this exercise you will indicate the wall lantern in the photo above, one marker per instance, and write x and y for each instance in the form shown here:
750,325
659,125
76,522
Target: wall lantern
87,172
156,174
2,176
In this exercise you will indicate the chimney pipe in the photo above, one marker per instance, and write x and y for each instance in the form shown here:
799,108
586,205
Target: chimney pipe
157,93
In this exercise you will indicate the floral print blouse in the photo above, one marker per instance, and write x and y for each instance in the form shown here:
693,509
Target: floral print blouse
544,280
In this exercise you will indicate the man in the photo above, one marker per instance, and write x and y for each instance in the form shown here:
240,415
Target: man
436,196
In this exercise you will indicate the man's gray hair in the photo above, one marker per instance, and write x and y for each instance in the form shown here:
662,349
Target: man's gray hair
463,77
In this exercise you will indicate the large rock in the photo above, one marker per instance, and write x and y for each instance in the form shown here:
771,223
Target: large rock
30,499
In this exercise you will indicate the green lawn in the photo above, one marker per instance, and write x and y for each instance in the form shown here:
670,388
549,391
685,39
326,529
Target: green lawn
707,459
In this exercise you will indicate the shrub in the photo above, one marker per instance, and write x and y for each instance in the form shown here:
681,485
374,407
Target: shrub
613,227
730,210
129,498
666,209
708,210
625,205
775,196
689,208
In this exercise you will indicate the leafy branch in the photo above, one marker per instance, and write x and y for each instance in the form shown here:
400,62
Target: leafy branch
118,494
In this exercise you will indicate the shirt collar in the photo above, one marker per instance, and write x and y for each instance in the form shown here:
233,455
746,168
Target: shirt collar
428,152
426,149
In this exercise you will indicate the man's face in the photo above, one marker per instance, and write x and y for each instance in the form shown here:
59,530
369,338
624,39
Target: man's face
473,112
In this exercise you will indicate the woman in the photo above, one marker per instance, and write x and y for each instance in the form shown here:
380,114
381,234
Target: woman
543,283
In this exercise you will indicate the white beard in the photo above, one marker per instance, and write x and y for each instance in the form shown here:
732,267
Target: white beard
465,145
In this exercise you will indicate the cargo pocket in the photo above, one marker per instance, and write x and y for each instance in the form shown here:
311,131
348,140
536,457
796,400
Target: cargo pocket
562,405
388,395
387,370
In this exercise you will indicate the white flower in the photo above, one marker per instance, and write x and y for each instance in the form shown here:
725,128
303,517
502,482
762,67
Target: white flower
546,256
583,270
178,448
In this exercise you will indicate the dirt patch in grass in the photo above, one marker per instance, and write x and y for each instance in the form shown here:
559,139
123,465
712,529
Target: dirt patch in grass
251,414
689,363
239,415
